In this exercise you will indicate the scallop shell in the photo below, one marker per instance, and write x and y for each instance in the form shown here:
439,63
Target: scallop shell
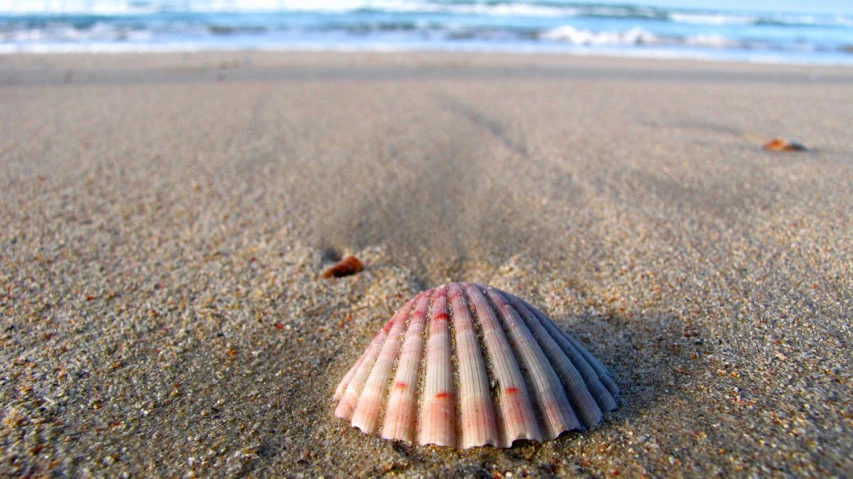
466,365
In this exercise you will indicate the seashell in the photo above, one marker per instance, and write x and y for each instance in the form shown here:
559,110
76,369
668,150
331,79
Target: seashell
781,144
466,365
345,267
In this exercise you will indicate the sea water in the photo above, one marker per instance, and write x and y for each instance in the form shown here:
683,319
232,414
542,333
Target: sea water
820,31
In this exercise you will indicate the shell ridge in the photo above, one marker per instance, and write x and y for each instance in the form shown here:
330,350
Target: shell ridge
342,386
602,395
454,370
401,410
599,368
603,372
422,371
478,421
580,397
347,404
372,397
399,354
555,411
339,391
493,382
439,397
529,387
395,369
514,398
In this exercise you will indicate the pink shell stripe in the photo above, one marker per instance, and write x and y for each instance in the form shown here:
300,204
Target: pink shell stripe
353,390
479,425
554,407
366,415
438,411
466,365
402,400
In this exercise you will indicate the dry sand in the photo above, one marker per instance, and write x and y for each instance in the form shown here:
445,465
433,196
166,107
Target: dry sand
165,219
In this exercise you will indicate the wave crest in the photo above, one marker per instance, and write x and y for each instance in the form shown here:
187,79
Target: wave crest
570,34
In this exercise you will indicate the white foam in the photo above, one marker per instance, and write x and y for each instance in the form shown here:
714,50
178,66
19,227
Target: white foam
570,34
711,40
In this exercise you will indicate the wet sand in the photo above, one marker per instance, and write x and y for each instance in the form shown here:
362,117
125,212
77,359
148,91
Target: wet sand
165,219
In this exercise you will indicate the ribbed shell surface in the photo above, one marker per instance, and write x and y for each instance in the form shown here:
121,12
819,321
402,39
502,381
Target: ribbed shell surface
466,365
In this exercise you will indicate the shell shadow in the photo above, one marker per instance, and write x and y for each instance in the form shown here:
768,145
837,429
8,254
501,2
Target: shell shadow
330,254
651,357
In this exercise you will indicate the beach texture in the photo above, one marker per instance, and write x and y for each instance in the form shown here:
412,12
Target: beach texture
166,218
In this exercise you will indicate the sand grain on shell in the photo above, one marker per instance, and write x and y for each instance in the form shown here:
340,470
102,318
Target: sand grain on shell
165,223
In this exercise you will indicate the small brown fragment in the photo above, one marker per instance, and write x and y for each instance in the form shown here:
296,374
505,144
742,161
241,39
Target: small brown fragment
345,267
781,144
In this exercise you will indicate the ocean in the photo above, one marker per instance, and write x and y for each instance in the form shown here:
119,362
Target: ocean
773,35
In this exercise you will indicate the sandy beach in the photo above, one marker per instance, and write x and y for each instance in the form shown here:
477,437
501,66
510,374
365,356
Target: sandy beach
166,217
